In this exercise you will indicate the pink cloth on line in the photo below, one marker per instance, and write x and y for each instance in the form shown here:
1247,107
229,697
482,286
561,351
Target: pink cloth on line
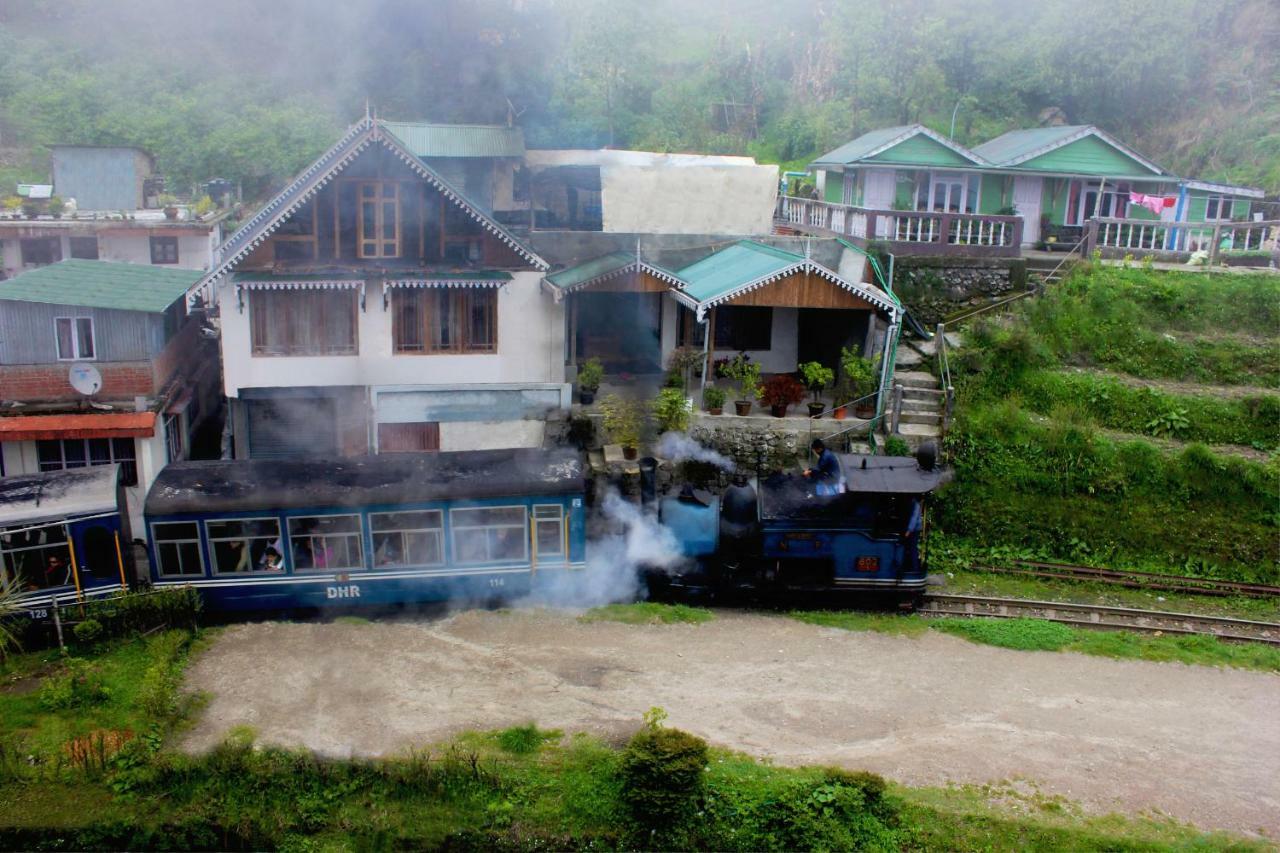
1153,203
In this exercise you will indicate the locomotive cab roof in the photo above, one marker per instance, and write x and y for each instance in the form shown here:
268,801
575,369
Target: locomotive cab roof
55,495
386,479
890,475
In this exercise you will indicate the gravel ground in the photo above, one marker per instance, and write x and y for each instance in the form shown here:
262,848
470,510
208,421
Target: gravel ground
1196,743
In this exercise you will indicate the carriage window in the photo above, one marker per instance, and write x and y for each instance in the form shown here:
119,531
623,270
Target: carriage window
177,547
407,538
245,545
326,542
36,558
489,534
548,523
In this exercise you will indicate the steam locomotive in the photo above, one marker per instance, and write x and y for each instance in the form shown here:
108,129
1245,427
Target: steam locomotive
783,538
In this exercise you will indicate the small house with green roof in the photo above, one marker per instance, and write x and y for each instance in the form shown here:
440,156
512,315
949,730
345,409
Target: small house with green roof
101,363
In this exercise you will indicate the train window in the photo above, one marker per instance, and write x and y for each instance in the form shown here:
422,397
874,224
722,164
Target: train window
548,530
245,545
36,558
408,538
326,542
177,547
489,534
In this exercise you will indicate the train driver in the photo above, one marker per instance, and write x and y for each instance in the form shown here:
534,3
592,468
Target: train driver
827,477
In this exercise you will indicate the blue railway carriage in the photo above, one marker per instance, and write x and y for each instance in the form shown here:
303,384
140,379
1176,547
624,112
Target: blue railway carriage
786,538
64,537
379,530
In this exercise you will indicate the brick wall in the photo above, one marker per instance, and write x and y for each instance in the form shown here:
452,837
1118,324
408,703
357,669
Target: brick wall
37,382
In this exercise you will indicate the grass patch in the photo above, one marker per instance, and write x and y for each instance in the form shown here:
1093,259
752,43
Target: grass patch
1043,635
882,623
648,613
352,620
523,740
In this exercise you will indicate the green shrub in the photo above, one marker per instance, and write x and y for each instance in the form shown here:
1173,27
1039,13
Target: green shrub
895,445
713,397
158,691
78,685
590,374
88,631
132,613
662,776
526,739
670,410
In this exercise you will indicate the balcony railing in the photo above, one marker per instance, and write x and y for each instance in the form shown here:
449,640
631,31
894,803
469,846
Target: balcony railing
1145,237
923,231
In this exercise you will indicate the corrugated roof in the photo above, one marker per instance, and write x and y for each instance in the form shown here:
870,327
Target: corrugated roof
733,267
458,140
1019,143
101,284
94,425
872,142
592,269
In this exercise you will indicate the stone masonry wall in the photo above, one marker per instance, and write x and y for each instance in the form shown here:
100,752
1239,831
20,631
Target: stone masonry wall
934,288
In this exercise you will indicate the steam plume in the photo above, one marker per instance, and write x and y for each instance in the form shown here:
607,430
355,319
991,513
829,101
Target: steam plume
679,447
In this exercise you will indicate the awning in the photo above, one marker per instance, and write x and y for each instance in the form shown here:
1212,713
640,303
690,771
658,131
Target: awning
96,425
474,278
259,281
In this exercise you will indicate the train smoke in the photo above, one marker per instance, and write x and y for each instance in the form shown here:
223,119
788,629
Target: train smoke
632,541
679,447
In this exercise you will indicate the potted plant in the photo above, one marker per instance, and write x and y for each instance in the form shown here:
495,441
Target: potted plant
170,205
682,362
780,393
860,380
745,375
30,208
590,375
713,399
671,410
623,421
816,377
56,206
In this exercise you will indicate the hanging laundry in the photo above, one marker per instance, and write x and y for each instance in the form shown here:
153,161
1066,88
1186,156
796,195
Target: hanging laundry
1153,203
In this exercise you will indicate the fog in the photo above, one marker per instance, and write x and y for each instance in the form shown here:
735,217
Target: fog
782,81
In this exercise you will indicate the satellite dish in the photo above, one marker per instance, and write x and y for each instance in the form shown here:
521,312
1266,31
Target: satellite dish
85,378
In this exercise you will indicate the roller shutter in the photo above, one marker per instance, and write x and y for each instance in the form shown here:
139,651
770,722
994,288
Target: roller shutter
283,429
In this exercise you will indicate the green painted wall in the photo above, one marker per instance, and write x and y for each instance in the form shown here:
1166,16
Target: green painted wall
1053,199
834,189
1198,200
920,150
1087,156
995,193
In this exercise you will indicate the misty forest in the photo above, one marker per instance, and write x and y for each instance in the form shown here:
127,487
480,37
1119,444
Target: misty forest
252,91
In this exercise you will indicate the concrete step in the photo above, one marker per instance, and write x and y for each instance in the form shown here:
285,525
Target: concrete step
907,357
923,395
916,379
920,417
920,431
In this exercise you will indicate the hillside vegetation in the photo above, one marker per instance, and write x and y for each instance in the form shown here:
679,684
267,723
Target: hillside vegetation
252,91
1056,461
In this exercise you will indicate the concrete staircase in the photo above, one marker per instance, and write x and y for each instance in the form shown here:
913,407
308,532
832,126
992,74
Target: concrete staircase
922,402
1049,266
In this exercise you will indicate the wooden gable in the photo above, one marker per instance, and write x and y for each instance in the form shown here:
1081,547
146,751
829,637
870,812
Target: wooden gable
803,289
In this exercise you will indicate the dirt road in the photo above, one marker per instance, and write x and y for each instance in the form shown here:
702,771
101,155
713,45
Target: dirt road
1199,744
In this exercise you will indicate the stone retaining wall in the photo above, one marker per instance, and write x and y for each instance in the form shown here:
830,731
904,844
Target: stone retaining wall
934,288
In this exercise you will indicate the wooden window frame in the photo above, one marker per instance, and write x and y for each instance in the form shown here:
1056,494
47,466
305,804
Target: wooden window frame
459,315
262,350
1222,200
76,353
312,238
155,240
379,200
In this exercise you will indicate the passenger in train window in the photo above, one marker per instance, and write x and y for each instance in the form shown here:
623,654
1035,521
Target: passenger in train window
271,561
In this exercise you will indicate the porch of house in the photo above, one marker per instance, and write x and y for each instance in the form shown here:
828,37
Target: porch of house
913,232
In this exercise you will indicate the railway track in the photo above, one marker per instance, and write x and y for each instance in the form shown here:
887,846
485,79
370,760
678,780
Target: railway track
1102,617
1135,580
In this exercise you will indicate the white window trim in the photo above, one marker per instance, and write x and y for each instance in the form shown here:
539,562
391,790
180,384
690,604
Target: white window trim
453,530
75,339
561,518
155,543
1222,199
210,538
961,178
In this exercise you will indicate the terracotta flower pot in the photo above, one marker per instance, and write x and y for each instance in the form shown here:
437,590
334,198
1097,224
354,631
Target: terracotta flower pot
630,452
840,413
742,407
716,410
816,409
865,412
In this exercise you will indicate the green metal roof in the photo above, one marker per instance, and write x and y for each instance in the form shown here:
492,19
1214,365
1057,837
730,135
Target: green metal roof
572,277
458,140
878,146
412,273
102,284
733,267
1033,149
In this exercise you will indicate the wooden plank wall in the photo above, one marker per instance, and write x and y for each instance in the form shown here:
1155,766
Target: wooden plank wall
802,290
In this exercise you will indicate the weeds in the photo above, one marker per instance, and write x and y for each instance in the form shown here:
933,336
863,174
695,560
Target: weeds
648,613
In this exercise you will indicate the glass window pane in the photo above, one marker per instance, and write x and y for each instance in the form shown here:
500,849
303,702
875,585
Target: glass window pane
66,344
326,542
550,538
99,451
176,530
73,452
471,546
423,548
84,337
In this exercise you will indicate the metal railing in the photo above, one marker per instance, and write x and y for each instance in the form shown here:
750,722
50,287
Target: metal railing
869,424
930,231
1140,237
